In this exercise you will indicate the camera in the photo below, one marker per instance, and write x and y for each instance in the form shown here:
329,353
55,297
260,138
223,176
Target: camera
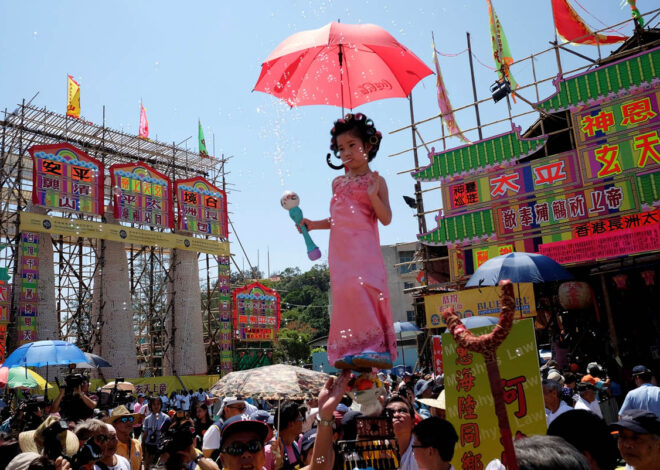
90,452
73,381
52,439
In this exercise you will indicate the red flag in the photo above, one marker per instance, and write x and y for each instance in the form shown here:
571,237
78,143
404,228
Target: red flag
572,28
144,124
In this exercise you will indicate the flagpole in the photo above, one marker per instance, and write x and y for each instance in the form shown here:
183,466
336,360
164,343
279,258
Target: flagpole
474,87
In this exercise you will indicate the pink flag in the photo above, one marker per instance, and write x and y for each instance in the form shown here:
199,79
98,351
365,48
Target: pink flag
444,104
144,124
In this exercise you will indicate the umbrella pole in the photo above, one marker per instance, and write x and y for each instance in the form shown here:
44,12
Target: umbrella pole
403,353
341,78
46,386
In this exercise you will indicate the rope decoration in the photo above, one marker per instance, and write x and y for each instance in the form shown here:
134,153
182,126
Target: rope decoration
491,341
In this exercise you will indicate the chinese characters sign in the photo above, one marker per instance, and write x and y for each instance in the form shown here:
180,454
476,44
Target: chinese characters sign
202,207
142,195
225,338
65,178
565,207
607,245
546,174
478,302
28,296
600,121
5,303
470,405
256,313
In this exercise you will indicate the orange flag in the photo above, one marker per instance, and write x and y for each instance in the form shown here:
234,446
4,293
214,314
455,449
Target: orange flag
73,98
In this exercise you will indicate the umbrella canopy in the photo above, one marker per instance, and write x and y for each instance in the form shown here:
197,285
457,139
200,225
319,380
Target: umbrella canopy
518,267
340,65
406,329
94,362
124,386
45,353
20,377
278,381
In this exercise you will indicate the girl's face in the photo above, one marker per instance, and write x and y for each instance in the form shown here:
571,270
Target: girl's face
353,151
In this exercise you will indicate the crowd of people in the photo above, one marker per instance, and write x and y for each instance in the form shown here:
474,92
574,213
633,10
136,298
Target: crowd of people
194,430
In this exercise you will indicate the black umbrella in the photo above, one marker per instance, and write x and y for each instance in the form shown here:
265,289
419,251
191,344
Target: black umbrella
95,362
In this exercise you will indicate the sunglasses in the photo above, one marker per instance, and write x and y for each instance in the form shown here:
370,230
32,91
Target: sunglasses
239,448
126,419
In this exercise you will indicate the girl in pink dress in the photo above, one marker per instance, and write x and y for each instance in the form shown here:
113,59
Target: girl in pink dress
361,330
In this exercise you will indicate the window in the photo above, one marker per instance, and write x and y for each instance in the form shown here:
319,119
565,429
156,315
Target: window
410,315
405,256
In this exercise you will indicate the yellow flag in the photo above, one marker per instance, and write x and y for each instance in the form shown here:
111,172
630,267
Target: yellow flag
73,98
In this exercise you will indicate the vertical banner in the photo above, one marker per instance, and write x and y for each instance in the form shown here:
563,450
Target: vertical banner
256,312
66,178
470,406
28,295
438,367
5,305
142,195
224,314
202,208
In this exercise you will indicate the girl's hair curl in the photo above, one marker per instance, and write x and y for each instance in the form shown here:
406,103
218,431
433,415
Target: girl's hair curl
364,129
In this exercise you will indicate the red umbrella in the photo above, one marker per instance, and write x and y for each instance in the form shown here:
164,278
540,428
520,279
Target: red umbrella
340,64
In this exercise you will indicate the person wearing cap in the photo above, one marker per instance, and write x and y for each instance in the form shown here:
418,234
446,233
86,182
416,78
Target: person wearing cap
123,420
423,390
36,440
153,428
231,406
242,443
307,446
554,405
437,406
266,418
646,396
639,439
586,399
434,440
595,374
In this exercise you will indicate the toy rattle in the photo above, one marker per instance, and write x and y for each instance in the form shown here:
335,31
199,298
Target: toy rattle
290,201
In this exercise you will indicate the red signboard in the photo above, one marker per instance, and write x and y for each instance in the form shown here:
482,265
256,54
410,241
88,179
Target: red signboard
438,368
609,245
142,195
256,312
202,208
66,178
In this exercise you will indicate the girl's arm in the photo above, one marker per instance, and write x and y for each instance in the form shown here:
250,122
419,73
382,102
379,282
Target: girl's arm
323,224
378,194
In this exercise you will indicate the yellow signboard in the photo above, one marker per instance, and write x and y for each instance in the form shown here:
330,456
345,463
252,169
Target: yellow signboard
118,233
477,302
156,385
470,406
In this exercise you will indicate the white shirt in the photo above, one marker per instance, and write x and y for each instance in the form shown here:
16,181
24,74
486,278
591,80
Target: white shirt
211,438
122,464
201,397
184,402
408,461
550,416
594,407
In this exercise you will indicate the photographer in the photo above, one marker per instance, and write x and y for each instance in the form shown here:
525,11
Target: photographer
74,403
153,429
180,452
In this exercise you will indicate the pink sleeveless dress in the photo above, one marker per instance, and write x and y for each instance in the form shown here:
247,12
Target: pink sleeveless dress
361,318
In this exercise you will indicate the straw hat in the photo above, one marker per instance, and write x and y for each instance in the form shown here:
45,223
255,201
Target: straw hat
33,441
435,402
120,411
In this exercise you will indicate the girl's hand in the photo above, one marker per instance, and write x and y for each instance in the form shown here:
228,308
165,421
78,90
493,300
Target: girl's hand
307,223
332,393
374,184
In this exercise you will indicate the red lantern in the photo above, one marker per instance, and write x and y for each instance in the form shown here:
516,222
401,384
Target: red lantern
575,295
649,277
621,281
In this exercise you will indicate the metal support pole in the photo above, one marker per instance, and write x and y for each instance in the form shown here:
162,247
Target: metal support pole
474,88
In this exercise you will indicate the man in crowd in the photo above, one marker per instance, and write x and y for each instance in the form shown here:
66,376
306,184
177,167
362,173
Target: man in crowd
231,406
554,405
433,444
646,396
403,416
423,389
75,403
639,439
587,399
243,444
106,438
153,428
290,426
122,420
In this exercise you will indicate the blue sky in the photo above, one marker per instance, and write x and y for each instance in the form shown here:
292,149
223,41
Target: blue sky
201,59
